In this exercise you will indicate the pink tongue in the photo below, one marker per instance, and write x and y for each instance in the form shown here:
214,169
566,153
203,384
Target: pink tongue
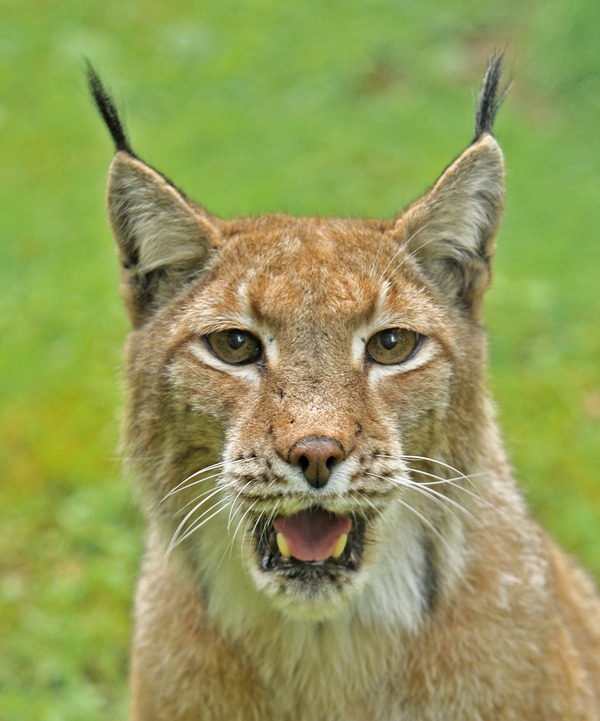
312,534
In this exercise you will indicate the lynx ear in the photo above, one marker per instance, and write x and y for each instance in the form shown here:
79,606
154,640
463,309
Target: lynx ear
450,231
164,239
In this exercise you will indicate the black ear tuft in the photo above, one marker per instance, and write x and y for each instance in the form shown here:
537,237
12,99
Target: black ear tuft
490,97
107,109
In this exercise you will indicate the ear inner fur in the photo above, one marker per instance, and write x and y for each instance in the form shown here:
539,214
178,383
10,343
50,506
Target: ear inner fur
450,231
163,240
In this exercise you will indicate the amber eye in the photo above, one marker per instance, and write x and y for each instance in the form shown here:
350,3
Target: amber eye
393,345
234,346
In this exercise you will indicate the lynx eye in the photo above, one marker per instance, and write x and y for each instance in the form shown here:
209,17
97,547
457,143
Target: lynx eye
393,345
234,346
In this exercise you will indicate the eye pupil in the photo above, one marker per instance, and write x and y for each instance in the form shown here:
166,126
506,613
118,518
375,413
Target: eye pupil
389,339
236,339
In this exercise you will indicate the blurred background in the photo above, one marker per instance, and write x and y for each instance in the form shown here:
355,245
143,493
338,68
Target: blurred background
346,108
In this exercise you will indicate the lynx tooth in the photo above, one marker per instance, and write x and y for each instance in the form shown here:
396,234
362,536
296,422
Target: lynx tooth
340,545
283,545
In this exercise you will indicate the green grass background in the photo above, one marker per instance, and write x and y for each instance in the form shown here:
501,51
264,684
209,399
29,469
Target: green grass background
317,106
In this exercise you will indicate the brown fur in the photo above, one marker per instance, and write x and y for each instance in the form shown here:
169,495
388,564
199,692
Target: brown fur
461,608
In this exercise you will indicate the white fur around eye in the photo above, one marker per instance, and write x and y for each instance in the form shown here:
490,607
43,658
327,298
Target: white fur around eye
426,351
270,348
199,349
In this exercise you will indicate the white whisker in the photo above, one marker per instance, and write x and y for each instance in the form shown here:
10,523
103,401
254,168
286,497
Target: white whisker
426,521
459,473
442,498
440,480
239,493
403,482
245,514
183,485
365,498
201,521
231,543
403,247
213,490
195,509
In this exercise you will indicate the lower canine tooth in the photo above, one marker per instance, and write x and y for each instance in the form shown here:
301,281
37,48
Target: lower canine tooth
283,545
340,545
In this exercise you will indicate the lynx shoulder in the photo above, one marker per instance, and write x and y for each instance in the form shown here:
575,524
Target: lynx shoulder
334,532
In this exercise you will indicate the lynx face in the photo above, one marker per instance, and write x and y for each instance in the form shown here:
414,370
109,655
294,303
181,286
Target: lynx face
326,360
295,381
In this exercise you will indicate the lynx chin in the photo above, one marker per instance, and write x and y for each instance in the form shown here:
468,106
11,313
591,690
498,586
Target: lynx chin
334,531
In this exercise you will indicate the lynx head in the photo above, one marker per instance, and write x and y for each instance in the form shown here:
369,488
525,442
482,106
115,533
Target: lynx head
298,386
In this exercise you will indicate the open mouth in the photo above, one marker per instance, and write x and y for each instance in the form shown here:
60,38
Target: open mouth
311,539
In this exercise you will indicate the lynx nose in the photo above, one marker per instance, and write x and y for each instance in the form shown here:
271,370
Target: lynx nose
316,456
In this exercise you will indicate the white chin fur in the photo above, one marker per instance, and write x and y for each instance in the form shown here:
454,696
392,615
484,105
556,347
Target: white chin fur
386,591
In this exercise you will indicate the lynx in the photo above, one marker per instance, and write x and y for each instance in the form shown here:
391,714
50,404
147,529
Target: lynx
334,531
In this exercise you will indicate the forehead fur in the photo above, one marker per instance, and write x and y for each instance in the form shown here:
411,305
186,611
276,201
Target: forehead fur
279,239
278,271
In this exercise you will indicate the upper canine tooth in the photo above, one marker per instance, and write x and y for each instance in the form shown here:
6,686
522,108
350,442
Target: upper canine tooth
283,545
340,545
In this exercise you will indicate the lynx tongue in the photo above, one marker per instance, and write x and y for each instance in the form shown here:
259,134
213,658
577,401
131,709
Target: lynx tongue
312,535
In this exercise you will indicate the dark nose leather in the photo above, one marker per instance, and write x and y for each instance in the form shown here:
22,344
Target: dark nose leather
316,456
